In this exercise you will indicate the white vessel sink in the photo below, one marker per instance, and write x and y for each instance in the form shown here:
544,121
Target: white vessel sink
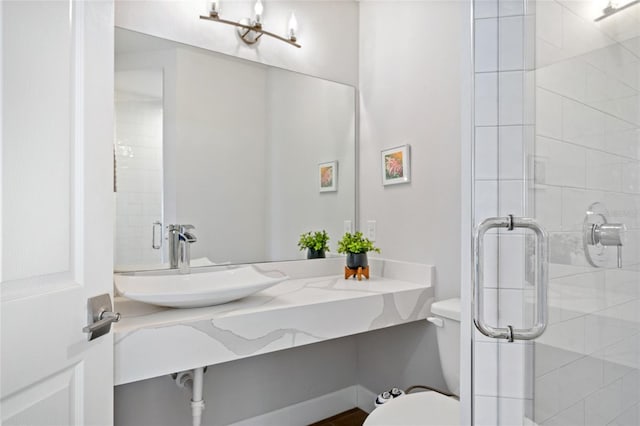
194,290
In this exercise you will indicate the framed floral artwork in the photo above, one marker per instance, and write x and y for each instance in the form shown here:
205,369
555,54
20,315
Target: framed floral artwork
396,165
328,176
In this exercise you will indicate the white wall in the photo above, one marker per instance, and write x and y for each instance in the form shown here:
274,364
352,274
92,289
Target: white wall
410,82
330,52
244,388
400,357
412,56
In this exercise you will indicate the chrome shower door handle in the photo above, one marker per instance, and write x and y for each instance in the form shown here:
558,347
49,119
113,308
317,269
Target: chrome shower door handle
542,278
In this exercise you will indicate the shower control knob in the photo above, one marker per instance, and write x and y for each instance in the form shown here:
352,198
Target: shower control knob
600,234
609,234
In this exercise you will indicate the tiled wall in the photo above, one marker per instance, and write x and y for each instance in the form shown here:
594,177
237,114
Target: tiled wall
569,118
587,150
138,132
504,129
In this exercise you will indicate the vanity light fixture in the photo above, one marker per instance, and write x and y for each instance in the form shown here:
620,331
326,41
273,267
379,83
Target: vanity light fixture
250,30
612,9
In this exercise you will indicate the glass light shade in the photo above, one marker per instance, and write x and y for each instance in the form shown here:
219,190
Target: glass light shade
258,8
293,25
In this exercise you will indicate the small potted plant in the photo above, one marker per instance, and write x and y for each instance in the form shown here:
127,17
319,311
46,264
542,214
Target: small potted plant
355,246
315,243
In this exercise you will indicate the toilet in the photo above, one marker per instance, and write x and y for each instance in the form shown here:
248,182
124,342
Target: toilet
430,408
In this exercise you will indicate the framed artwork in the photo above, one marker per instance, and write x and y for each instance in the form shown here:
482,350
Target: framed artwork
396,165
328,176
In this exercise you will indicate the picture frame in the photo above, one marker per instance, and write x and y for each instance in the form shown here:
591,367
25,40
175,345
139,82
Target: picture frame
396,165
328,176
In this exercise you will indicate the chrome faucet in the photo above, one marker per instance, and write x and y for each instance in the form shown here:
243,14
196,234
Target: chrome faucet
180,239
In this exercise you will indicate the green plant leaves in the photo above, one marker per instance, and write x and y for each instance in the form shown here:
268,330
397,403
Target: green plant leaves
314,240
356,243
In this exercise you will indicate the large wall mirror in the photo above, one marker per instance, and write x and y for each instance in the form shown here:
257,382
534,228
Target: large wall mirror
229,146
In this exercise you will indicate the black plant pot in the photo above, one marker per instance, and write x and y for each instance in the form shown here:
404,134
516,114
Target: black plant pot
357,260
315,254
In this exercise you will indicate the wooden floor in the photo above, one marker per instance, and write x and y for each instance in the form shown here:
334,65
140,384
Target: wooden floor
353,417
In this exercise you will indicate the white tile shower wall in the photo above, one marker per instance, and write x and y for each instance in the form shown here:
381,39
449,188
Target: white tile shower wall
504,134
587,134
586,151
138,145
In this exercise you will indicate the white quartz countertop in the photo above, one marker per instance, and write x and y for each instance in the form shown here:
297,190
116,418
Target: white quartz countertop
151,341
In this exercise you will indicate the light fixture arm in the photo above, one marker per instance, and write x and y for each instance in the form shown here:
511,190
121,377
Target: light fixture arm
612,10
253,27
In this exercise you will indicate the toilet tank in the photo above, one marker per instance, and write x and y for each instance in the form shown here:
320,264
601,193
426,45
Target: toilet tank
448,335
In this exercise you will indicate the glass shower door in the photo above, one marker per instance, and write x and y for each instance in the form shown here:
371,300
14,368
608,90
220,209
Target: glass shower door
557,140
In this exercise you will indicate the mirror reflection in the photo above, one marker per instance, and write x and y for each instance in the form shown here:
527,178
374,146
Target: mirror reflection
251,156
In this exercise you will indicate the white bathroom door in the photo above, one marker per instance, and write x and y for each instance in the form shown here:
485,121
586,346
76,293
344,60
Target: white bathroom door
56,210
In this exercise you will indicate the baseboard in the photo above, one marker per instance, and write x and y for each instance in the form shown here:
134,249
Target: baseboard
365,399
309,411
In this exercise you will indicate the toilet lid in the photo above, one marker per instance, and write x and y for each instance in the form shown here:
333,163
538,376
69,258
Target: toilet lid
417,409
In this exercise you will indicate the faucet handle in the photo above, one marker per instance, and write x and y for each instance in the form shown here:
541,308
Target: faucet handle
179,228
603,234
186,233
611,234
